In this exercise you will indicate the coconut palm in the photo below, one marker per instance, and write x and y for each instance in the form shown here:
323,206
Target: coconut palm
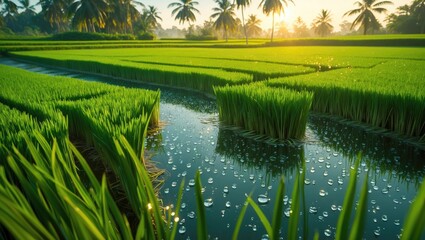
322,24
365,10
27,7
122,15
152,16
242,4
273,6
10,9
55,13
184,11
253,26
225,16
89,14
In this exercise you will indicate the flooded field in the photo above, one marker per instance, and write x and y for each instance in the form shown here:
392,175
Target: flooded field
233,166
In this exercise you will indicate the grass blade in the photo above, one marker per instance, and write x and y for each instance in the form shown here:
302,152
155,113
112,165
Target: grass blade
201,222
239,221
345,215
262,217
359,220
278,208
414,224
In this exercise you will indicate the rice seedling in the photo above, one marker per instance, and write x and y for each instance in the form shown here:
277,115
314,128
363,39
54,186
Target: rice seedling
49,200
278,113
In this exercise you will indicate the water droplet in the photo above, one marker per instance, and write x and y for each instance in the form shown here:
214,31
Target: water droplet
265,237
167,190
191,215
226,189
312,170
377,232
263,199
234,185
325,214
182,229
328,232
210,180
322,193
228,204
330,182
384,218
325,173
321,159
192,182
287,212
334,207
375,188
307,181
173,184
312,210
208,202
183,206
385,190
397,222
184,174
189,165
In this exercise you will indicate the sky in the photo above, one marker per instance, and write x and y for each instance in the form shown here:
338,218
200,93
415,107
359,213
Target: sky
306,9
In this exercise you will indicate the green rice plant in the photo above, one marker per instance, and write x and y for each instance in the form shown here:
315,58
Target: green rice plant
394,100
183,77
49,200
345,215
201,221
278,113
414,225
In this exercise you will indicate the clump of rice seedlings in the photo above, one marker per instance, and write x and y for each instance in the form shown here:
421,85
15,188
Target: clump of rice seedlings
278,113
48,200
394,100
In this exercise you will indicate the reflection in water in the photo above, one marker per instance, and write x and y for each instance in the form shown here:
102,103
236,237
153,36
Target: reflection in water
382,154
273,159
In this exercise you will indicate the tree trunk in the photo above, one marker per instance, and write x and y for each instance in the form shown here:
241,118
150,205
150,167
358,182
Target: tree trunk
244,27
365,28
225,32
271,39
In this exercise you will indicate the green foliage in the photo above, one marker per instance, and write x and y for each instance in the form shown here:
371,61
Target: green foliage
88,36
414,225
278,113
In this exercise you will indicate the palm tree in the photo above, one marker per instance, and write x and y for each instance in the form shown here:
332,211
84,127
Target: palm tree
225,16
10,9
184,10
253,26
322,24
55,13
122,15
152,16
27,7
418,7
89,14
365,10
242,4
273,6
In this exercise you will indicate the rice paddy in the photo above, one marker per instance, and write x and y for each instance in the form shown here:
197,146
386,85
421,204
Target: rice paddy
197,138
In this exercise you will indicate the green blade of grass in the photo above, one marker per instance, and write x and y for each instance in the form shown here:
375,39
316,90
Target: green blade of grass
359,220
201,221
239,221
414,225
278,208
179,200
345,215
262,217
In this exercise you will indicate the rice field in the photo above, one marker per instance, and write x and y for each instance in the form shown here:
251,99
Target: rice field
47,113
382,87
114,114
269,91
